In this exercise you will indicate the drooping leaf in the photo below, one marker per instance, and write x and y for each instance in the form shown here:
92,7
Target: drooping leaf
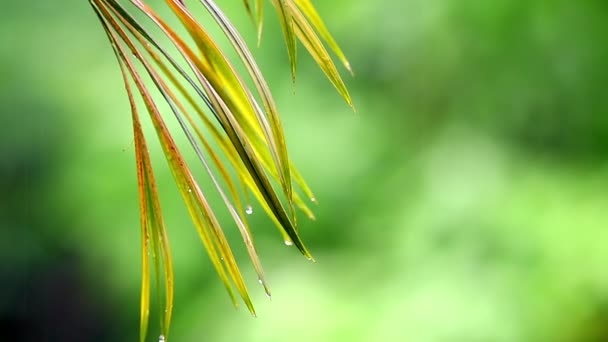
226,146
249,135
310,12
288,31
268,120
315,47
227,109
196,202
154,236
259,11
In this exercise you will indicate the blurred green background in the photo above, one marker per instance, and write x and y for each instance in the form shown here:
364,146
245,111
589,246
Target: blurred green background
465,200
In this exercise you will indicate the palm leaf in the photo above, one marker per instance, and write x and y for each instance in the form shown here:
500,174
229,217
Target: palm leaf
288,30
317,50
315,20
232,126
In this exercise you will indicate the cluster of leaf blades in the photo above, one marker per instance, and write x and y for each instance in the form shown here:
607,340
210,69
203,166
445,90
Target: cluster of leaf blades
249,135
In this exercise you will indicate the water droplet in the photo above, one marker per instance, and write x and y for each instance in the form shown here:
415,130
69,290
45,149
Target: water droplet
313,199
249,210
266,290
161,338
288,243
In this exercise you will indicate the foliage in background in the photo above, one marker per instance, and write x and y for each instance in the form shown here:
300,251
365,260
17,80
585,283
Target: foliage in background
249,135
467,202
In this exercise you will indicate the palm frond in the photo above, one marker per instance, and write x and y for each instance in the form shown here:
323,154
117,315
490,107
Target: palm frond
249,135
